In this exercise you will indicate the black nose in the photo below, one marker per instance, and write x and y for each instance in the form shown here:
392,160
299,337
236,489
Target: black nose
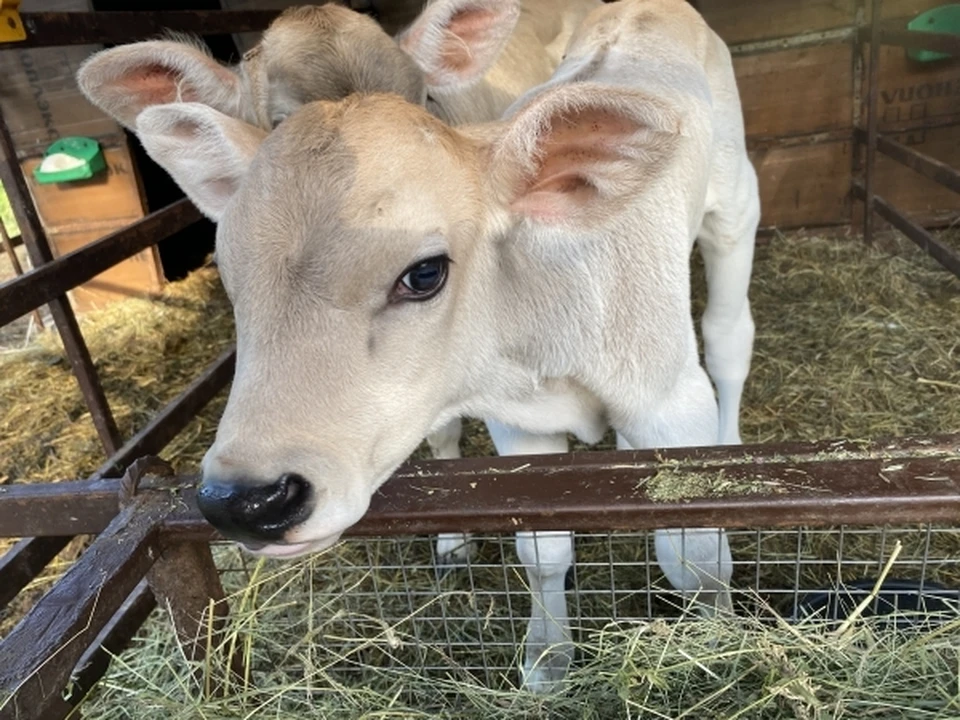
253,512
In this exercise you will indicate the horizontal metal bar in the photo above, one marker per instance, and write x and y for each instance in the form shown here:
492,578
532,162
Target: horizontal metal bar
174,417
84,28
817,484
41,652
794,42
938,250
927,166
24,561
51,280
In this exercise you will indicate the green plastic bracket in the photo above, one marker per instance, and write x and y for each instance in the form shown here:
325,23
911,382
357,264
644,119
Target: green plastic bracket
69,159
944,19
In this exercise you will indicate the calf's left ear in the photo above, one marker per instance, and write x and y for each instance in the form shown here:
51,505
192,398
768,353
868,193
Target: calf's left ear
455,42
206,152
583,149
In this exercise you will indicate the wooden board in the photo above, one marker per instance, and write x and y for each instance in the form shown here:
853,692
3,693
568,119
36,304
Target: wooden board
103,199
76,214
742,20
805,185
796,92
913,93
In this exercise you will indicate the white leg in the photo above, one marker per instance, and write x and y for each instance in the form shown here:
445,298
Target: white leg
546,557
548,652
452,548
697,562
726,244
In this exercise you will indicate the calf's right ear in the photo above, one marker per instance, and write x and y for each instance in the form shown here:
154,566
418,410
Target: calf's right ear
206,152
125,80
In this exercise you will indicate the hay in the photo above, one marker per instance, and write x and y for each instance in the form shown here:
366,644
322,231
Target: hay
318,654
851,342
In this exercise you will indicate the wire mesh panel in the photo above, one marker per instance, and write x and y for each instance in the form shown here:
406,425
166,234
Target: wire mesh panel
370,607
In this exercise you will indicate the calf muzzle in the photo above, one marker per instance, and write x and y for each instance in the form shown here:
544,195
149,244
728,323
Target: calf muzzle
256,513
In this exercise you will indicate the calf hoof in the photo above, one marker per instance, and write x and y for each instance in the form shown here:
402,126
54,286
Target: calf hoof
545,668
455,549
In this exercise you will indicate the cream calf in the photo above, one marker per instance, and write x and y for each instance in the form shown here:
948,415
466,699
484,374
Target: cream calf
389,273
466,60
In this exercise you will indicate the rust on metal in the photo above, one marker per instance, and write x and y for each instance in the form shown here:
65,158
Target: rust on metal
41,652
83,28
21,563
35,239
902,480
937,249
47,282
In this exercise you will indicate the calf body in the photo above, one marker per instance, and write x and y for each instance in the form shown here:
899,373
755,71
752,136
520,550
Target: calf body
390,273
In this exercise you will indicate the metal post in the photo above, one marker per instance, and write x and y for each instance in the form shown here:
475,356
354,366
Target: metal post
873,93
35,240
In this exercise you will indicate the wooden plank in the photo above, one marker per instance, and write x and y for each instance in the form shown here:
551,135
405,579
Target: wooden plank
41,652
109,196
805,185
796,92
914,94
743,20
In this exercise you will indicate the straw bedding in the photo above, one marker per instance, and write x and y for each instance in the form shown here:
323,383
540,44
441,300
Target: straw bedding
851,342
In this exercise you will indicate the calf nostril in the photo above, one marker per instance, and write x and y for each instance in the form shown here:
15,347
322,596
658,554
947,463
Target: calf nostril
257,512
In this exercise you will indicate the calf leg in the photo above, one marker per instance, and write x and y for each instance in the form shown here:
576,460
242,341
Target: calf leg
546,557
452,548
697,562
726,243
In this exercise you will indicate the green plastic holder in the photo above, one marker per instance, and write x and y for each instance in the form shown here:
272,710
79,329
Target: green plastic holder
944,19
86,150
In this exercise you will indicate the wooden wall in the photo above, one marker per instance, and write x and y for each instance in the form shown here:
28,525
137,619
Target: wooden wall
803,88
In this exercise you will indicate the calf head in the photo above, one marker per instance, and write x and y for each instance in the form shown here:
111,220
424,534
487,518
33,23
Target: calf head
309,53
366,248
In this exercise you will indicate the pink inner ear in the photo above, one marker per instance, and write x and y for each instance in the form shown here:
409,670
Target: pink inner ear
467,29
156,84
572,149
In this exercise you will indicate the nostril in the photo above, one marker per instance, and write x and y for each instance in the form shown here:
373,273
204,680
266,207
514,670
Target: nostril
257,512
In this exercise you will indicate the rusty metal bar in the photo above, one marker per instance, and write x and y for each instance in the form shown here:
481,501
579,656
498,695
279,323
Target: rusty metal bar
902,480
927,166
24,561
47,282
35,238
114,637
41,652
873,112
174,417
17,271
83,28
939,251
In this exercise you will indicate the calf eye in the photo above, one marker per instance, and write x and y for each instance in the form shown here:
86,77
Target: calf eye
422,280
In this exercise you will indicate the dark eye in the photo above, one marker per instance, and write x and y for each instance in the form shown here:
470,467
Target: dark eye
422,280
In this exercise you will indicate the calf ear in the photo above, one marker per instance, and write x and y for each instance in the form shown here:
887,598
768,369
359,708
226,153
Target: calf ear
580,151
125,80
455,42
206,152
